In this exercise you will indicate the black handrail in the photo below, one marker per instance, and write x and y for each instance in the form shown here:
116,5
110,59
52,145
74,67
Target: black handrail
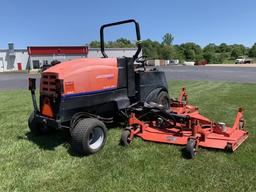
137,28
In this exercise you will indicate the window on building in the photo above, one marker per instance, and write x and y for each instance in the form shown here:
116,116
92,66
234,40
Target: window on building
59,57
45,62
36,64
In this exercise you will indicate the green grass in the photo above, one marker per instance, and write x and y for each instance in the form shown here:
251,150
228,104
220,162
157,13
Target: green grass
45,163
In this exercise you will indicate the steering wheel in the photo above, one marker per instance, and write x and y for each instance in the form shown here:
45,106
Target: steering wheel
141,59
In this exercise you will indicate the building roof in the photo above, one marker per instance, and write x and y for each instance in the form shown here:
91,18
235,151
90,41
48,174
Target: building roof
16,50
52,50
109,49
92,49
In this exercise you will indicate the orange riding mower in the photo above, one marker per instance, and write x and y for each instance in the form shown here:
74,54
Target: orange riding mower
182,124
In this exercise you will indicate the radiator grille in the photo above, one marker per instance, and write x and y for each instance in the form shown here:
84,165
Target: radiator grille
48,84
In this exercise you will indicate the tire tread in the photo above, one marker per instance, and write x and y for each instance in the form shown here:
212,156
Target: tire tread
81,131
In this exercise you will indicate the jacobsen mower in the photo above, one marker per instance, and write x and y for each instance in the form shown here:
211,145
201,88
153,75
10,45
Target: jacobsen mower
85,94
182,124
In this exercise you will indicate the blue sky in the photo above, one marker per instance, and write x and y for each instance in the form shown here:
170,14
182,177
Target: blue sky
77,22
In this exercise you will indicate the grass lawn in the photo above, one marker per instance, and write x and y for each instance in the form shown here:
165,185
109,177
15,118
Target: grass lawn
45,163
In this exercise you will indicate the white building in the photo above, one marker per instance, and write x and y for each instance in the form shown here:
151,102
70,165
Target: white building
34,57
10,58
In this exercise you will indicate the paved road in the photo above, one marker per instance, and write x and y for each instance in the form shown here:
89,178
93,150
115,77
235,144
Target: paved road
232,74
10,81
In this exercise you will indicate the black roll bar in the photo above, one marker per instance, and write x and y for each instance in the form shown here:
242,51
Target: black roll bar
137,28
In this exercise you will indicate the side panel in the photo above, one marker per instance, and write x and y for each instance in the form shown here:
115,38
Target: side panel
131,78
122,73
92,78
126,76
105,103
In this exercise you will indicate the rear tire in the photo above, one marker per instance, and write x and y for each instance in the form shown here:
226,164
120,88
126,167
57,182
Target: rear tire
88,136
160,97
124,141
36,127
163,99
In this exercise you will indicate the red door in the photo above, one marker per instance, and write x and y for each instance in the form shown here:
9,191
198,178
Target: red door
19,66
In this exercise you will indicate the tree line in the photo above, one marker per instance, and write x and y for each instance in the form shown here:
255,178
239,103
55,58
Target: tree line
190,51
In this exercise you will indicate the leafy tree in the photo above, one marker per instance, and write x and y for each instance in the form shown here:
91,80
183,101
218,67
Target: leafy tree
119,43
190,51
220,58
155,50
179,53
186,51
223,48
199,57
223,57
150,49
209,56
124,43
236,52
210,48
166,52
252,51
167,39
111,44
190,54
95,44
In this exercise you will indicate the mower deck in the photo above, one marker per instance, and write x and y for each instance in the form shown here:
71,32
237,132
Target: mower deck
187,127
178,137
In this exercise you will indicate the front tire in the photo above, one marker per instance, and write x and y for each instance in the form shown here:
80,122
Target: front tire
125,141
191,148
88,136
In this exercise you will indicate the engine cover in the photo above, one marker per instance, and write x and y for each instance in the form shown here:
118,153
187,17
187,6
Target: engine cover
86,75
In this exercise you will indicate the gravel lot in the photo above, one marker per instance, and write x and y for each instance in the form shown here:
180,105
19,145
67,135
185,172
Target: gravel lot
211,73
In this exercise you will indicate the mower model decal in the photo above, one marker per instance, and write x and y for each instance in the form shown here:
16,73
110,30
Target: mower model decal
171,138
85,93
105,76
